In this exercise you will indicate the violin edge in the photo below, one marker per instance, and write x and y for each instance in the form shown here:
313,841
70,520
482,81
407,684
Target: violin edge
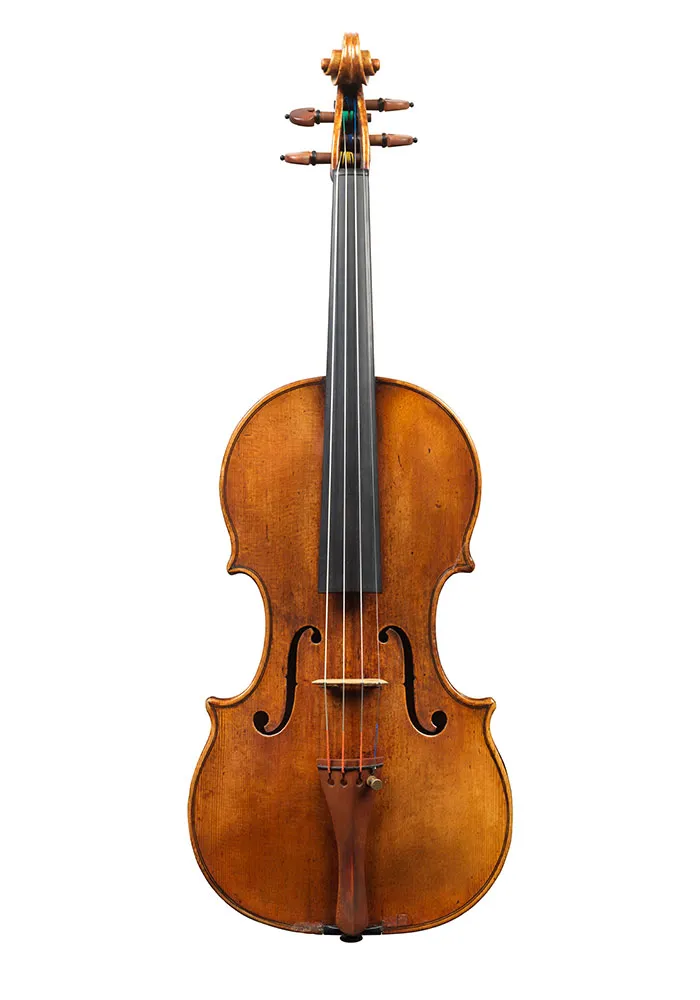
465,567
486,706
394,926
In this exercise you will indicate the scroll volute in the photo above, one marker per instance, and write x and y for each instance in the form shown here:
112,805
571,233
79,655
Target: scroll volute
349,69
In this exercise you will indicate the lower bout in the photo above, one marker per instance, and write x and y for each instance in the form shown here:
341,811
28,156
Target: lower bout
424,867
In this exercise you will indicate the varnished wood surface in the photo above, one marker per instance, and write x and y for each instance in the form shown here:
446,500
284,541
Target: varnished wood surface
350,806
440,826
349,69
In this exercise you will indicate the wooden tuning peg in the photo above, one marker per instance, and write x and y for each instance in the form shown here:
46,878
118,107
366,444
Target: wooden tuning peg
310,116
391,140
388,104
309,158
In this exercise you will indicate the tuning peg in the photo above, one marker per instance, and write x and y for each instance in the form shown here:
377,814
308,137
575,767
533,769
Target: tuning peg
391,140
306,159
310,116
388,104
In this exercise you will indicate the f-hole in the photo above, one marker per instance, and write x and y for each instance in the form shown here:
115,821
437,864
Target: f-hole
438,719
261,719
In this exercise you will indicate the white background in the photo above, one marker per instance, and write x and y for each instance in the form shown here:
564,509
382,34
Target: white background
536,265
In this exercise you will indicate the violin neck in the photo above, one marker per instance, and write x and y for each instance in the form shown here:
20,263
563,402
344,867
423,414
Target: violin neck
350,506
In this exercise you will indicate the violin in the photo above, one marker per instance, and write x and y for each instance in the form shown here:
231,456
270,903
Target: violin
350,789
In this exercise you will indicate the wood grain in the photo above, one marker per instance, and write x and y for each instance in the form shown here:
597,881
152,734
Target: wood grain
350,802
349,69
441,825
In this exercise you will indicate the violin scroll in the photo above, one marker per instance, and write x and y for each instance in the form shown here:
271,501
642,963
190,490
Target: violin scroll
349,68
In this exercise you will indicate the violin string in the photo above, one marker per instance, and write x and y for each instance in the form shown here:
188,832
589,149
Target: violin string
331,410
345,435
359,445
373,389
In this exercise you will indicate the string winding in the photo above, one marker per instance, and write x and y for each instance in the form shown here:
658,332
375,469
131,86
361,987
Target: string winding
345,443
334,281
375,540
359,450
345,160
